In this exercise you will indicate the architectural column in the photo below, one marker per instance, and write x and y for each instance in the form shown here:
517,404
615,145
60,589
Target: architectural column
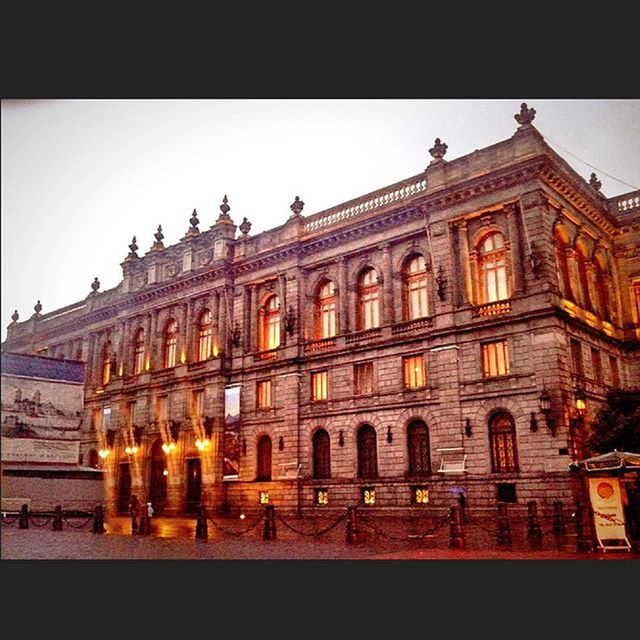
388,309
185,332
152,340
215,320
512,210
225,314
90,365
465,255
252,319
123,352
343,296
282,280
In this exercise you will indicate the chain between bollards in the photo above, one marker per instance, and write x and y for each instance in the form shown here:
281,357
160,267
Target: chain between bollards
269,532
202,528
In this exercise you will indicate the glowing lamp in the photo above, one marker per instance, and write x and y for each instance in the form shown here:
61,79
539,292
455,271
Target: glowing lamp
581,405
172,446
165,447
103,453
165,472
128,451
183,358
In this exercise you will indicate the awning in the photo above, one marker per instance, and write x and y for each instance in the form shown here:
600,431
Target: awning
608,462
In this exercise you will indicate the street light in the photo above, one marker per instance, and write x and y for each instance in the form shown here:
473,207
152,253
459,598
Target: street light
581,405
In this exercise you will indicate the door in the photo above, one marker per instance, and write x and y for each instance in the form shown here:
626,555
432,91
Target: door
194,485
158,478
124,488
264,458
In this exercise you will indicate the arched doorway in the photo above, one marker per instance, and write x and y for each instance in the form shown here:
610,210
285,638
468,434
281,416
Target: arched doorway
157,477
367,452
194,485
93,459
124,487
264,458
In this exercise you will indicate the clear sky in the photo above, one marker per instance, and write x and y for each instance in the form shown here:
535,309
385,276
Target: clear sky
81,177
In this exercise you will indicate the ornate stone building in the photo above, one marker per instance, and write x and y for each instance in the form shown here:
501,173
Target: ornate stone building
445,333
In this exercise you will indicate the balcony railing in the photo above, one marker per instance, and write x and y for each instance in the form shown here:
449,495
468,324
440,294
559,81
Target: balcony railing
272,354
492,308
627,203
411,325
367,334
320,345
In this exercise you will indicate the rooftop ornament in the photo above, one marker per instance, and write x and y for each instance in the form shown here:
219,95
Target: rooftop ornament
245,227
225,208
37,308
133,248
15,316
297,206
438,151
95,285
526,116
159,236
194,222
594,182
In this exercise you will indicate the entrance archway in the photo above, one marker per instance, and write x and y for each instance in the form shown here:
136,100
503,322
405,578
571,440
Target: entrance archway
124,487
157,477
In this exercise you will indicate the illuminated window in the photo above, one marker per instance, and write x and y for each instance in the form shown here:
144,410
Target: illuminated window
502,434
161,408
197,403
615,372
367,452
576,357
170,344
636,299
263,394
322,496
585,296
270,325
596,365
414,372
106,364
418,449
321,455
369,495
205,332
264,458
495,359
326,311
319,380
363,378
369,292
138,352
264,497
420,495
415,283
492,266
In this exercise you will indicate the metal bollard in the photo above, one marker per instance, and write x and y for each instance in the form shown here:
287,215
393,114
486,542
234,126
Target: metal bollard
353,533
98,520
559,525
269,532
23,522
504,528
534,530
202,528
57,518
583,539
462,501
456,531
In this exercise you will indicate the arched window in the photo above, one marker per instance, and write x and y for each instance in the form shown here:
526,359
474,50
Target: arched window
368,294
563,270
264,458
601,289
502,435
270,328
170,344
205,329
418,446
326,310
138,352
585,296
106,364
415,288
367,452
321,455
492,267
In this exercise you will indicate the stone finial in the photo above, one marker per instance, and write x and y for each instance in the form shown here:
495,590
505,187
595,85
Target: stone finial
133,247
95,285
297,206
194,222
15,316
594,182
225,208
245,227
438,151
159,236
526,115
37,308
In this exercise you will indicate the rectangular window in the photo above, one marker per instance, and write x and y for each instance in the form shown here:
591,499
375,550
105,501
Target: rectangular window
264,399
420,495
131,413
636,299
506,492
414,372
495,359
368,495
596,364
106,419
96,419
161,408
197,403
615,372
363,378
576,357
319,385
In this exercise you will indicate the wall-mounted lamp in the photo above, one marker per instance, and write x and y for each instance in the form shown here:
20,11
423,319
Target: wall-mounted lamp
341,438
581,404
533,423
545,409
280,443
468,428
389,435
104,453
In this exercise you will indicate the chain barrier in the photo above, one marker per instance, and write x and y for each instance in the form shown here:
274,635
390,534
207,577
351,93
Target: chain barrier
78,526
312,534
475,523
9,521
229,532
385,534
47,520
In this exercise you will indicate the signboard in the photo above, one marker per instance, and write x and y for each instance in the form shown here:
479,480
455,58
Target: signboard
231,442
43,451
608,515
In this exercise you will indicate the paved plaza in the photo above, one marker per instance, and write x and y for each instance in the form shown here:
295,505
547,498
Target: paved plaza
174,538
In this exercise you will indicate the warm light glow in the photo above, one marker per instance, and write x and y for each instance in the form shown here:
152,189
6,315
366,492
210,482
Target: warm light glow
242,516
421,495
581,406
131,450
264,497
322,496
172,446
147,365
165,472
183,358
202,445
120,370
127,450
165,447
215,350
369,496
103,453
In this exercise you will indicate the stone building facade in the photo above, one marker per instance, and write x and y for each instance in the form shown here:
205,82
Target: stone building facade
428,338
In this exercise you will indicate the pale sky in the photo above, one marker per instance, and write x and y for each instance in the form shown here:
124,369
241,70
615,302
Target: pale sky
81,177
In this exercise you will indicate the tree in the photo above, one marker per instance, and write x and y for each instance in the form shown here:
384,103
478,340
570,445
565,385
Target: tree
616,425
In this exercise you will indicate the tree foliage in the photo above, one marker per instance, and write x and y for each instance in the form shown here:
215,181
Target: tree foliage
616,426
